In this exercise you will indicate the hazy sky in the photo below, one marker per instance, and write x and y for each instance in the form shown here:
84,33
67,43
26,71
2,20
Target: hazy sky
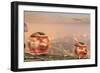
57,25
